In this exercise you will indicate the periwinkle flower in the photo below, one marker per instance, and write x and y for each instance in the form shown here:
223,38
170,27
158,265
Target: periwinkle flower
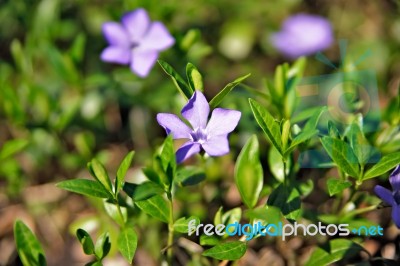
302,35
211,136
392,197
136,41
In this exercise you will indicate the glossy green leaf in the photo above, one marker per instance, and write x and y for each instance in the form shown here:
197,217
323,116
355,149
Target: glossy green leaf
194,77
226,90
179,82
267,124
100,174
152,175
190,176
387,163
309,130
269,214
249,173
231,216
127,243
227,251
333,131
336,186
342,154
12,147
333,251
29,248
122,169
167,159
103,246
359,143
182,224
142,191
85,187
156,207
212,240
285,134
86,241
287,199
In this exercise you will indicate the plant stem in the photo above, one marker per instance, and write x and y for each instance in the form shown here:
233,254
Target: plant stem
121,215
170,231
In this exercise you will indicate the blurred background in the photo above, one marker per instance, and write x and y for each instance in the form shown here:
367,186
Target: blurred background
60,105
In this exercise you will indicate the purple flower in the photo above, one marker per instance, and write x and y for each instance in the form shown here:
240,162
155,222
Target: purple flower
303,34
136,41
392,198
211,136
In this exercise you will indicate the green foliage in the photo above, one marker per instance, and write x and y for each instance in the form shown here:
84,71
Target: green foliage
123,168
336,186
178,81
384,165
156,207
227,251
85,187
194,77
29,248
334,251
127,243
86,241
248,173
287,199
226,90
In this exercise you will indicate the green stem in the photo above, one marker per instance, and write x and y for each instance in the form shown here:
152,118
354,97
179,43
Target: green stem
170,231
121,215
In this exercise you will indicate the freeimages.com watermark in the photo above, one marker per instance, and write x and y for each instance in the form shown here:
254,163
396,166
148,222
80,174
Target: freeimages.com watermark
280,229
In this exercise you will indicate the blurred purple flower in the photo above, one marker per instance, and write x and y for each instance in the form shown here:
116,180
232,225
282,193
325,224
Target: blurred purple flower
136,41
303,34
212,137
392,197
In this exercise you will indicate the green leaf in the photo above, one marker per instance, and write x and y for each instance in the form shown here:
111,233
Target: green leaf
385,164
359,143
287,199
12,147
334,250
226,90
85,187
275,164
100,174
267,124
156,207
269,214
227,251
333,131
127,243
182,224
142,191
342,154
103,246
190,176
249,173
308,131
122,169
29,249
194,77
179,82
167,158
212,240
336,186
152,175
86,241
285,134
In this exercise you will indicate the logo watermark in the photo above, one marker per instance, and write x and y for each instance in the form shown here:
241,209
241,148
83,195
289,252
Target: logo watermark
280,229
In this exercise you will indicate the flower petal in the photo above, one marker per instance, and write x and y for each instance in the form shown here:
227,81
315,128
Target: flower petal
186,151
115,34
196,110
217,145
385,195
157,38
174,125
394,178
222,121
114,54
137,24
142,62
396,215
